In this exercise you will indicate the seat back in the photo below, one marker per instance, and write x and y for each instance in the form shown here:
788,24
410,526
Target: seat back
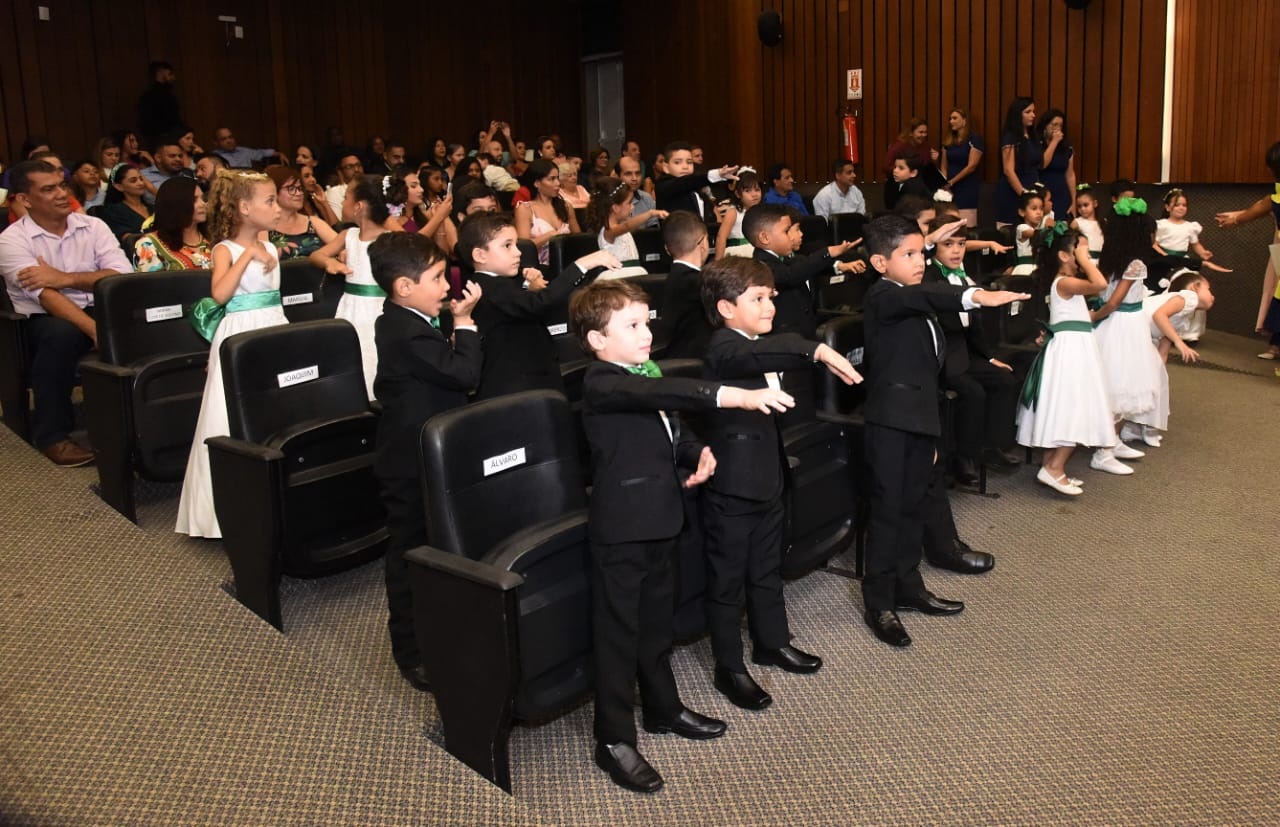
816,234
279,377
1021,322
844,292
140,315
820,498
845,335
652,249
307,293
846,226
564,250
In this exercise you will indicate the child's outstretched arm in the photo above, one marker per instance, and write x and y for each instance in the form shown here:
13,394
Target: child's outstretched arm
326,258
837,364
1160,318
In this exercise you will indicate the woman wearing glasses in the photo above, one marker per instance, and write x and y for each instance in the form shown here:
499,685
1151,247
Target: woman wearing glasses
297,235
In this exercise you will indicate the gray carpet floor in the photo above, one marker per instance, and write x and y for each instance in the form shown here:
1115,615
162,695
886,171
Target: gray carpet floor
1119,666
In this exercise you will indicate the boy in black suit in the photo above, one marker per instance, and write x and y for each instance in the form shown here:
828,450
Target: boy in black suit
629,415
743,511
420,374
906,181
679,188
683,318
905,349
519,354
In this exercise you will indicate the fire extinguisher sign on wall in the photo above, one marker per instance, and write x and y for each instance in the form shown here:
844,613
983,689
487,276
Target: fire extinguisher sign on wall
849,122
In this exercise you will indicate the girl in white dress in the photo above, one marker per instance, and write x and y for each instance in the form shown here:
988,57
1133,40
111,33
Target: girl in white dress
747,193
1086,220
245,295
1131,363
1176,236
609,216
361,304
1031,210
1064,400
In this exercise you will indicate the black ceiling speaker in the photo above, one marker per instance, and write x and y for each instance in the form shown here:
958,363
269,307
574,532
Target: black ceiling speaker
769,27
1077,4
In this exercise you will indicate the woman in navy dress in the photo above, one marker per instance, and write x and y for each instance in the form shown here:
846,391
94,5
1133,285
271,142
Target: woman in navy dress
1020,157
1058,162
961,157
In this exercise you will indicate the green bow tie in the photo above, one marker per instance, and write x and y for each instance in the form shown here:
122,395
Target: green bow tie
789,258
649,369
947,272
435,321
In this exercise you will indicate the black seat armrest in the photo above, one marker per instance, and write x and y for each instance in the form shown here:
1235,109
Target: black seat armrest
240,449
318,429
464,568
541,538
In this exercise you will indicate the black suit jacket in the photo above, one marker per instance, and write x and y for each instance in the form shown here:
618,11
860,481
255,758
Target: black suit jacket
636,492
964,344
796,309
748,444
673,194
913,186
685,328
519,354
419,375
902,364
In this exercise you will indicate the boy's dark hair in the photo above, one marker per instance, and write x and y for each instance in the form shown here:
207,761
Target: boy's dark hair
911,205
468,192
20,174
1121,185
761,217
1028,195
1273,159
940,221
727,279
838,164
941,208
775,172
1186,280
911,159
401,255
681,232
477,231
886,233
592,306
676,146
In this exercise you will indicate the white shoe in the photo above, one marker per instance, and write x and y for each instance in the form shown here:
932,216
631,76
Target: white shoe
1122,451
1063,484
1130,432
1151,436
1104,460
1077,483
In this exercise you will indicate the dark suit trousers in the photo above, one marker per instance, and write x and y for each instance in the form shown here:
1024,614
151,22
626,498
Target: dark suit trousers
985,409
939,524
632,604
900,463
56,347
407,525
744,560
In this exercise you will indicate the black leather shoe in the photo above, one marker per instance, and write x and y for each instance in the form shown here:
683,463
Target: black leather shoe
962,559
888,627
741,689
417,676
930,604
688,724
789,658
964,471
1001,460
627,767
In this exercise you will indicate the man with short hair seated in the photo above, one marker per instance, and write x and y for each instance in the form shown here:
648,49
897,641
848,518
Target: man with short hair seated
170,162
207,166
50,260
350,167
240,157
840,196
783,189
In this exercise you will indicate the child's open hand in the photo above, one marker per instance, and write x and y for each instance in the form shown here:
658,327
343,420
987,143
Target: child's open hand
600,258
706,469
334,267
765,400
729,173
837,250
262,254
996,298
1188,355
837,364
945,231
997,247
855,266
461,308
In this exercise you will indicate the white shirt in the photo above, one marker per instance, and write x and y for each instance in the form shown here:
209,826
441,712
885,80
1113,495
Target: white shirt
335,195
831,201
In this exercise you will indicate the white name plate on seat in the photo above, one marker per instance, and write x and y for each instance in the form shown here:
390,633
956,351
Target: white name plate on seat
1015,308
653,256
164,314
558,329
653,314
502,462
855,356
298,298
299,376
837,279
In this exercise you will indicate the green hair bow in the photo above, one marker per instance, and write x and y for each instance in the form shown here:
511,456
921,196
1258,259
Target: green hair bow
1051,233
1130,206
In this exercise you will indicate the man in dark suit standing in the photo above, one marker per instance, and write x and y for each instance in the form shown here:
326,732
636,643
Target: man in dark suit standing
904,355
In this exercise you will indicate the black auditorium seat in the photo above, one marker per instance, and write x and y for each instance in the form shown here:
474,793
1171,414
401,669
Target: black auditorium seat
142,388
816,234
564,250
15,369
846,226
307,292
293,484
653,250
502,594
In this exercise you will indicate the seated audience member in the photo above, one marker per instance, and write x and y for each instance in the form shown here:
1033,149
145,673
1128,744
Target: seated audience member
546,214
170,163
495,175
457,153
190,149
124,209
17,209
437,154
207,166
86,183
350,167
678,188
470,198
373,151
424,204
107,154
685,325
783,189
131,151
906,181
628,169
390,160
296,234
178,239
50,260
470,169
840,196
304,157
571,190
313,200
240,157
597,162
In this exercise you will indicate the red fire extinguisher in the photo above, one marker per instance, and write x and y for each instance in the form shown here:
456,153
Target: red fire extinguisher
849,137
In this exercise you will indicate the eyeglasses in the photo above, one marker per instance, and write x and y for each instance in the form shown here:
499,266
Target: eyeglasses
296,189
352,166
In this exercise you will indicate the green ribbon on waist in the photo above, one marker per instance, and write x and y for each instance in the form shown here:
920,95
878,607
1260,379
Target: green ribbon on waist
1026,259
1095,254
1175,253
736,242
368,291
633,262
1030,396
1129,307
207,314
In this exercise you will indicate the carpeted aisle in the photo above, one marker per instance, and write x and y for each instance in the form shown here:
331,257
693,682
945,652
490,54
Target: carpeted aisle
1118,667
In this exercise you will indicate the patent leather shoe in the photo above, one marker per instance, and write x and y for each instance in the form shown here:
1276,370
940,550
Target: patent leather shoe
741,689
962,560
627,767
789,658
930,604
417,677
964,471
687,724
888,627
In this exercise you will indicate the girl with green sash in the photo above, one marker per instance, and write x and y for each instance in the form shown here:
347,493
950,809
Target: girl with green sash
245,295
747,192
1064,399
